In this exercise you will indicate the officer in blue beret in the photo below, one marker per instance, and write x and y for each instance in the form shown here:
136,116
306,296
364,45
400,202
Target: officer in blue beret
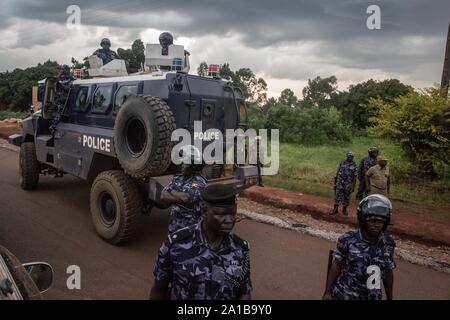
205,261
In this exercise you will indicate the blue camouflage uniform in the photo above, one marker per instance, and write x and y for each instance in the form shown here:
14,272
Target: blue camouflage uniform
106,55
197,272
345,175
364,165
356,255
181,216
66,79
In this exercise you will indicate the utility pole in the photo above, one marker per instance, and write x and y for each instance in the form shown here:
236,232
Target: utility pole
446,68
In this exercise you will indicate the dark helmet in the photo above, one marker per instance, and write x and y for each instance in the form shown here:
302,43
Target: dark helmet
65,67
165,39
192,156
373,150
375,206
105,41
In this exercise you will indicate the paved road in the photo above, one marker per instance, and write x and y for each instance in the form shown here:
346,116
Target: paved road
53,224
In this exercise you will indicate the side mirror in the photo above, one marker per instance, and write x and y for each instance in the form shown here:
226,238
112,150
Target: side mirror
49,98
41,273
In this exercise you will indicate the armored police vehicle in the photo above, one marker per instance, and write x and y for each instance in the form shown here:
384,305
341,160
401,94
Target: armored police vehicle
114,129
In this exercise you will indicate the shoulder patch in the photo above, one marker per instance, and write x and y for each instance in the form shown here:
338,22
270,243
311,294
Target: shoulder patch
180,235
243,243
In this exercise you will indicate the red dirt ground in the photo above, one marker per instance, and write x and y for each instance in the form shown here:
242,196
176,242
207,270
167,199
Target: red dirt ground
7,129
415,227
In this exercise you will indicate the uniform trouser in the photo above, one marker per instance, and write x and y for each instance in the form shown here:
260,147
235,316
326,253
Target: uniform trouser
361,189
375,190
342,196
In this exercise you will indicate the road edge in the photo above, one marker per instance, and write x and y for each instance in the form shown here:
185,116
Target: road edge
403,254
406,255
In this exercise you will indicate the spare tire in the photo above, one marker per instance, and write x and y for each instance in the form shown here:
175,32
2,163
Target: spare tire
142,134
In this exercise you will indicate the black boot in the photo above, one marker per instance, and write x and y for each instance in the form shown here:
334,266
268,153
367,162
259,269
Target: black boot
344,211
335,210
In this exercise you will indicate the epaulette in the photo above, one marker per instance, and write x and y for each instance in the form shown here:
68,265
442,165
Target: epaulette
243,243
181,234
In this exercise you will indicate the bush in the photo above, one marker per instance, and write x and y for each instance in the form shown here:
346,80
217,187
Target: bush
420,121
12,114
307,126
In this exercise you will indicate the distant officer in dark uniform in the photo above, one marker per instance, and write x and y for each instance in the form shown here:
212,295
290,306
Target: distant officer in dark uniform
364,258
183,192
165,40
205,261
365,164
65,77
344,183
106,54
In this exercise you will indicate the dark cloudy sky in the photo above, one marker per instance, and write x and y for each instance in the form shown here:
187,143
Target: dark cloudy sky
286,42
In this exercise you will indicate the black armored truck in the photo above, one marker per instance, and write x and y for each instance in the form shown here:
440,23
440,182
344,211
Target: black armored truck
114,129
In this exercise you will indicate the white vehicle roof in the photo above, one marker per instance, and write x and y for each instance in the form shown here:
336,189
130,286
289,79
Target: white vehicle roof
137,77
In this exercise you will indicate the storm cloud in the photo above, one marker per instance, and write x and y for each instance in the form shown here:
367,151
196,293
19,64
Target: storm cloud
290,40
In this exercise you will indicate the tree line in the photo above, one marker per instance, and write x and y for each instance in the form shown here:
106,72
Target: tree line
418,120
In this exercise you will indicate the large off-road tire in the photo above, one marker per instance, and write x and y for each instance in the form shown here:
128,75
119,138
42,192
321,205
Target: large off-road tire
116,206
29,167
142,134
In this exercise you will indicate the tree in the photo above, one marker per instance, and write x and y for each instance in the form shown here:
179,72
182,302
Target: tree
16,86
319,91
420,121
354,103
134,57
138,50
254,89
225,72
288,98
202,69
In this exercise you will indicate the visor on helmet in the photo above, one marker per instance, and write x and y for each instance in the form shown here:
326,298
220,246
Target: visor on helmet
376,207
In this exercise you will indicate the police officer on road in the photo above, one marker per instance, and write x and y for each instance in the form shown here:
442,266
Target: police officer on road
344,183
364,257
205,261
183,192
105,53
366,163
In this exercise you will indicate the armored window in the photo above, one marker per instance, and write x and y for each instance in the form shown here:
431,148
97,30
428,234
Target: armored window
81,101
102,99
122,94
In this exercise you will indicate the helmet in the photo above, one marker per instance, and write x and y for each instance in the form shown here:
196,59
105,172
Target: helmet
375,206
192,156
373,150
65,67
105,41
165,39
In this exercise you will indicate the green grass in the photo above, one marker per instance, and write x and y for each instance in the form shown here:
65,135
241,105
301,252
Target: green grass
12,114
311,170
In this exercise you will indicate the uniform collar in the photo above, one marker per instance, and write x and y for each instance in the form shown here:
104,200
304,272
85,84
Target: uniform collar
201,239
361,237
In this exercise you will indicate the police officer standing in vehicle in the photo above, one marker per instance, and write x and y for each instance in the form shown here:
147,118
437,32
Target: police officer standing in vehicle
205,261
105,53
364,257
366,164
165,40
344,183
65,77
183,192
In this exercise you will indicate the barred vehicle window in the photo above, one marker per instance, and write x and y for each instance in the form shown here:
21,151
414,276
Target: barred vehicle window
102,99
81,101
122,94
